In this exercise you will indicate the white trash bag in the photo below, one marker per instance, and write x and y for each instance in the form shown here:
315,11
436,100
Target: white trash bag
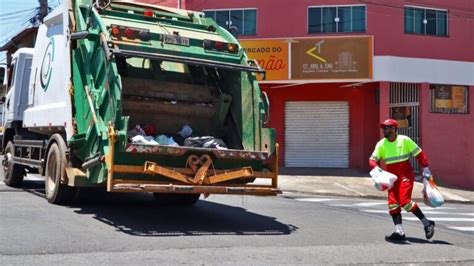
383,180
431,194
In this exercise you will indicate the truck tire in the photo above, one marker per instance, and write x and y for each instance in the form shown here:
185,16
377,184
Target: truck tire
173,199
57,193
13,173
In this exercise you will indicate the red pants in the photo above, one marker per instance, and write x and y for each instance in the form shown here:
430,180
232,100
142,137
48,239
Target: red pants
400,195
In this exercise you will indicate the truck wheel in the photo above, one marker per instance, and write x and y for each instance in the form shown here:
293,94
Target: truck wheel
57,193
13,173
173,199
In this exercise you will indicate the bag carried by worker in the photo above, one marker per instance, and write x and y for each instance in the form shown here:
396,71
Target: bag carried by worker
431,194
383,180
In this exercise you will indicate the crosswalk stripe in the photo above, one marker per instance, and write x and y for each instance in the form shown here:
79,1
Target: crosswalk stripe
443,219
375,211
426,212
369,204
424,207
342,205
315,199
463,228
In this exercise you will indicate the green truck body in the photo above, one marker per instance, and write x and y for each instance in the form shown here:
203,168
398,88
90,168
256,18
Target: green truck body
135,64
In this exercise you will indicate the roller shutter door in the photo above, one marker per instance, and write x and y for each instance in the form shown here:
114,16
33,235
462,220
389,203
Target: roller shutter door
317,134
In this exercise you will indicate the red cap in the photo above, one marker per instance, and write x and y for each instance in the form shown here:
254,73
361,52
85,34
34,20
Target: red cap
389,122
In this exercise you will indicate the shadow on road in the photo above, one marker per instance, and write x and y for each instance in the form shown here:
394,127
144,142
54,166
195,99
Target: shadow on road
33,187
414,240
139,214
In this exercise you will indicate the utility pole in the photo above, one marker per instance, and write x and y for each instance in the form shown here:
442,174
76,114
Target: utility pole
43,9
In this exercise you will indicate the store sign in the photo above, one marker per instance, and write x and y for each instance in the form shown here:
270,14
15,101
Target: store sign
313,58
332,58
271,55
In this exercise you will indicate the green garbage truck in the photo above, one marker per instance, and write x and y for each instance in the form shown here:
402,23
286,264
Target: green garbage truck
103,99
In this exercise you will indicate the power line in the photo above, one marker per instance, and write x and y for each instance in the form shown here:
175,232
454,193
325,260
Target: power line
29,15
16,12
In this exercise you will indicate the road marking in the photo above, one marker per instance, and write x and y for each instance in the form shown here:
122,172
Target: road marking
443,219
369,204
375,211
463,228
315,199
349,189
426,212
342,205
437,208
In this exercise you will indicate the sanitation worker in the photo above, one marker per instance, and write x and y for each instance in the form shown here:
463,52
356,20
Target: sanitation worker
395,150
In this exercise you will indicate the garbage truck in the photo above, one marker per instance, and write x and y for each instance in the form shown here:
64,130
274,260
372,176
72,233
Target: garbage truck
103,74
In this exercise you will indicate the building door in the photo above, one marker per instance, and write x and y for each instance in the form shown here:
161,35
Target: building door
317,134
404,107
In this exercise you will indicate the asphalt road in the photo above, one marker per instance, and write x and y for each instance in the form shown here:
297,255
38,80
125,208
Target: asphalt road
130,229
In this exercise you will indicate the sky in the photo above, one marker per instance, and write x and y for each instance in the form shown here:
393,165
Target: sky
14,17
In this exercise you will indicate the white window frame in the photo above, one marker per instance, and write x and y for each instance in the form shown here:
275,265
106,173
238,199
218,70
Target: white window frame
428,8
243,16
337,24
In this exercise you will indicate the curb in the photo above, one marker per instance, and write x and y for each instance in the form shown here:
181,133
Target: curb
366,196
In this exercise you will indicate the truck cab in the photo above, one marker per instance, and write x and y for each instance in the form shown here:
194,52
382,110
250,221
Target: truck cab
15,99
2,93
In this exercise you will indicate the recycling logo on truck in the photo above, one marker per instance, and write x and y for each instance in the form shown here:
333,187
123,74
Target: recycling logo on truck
47,65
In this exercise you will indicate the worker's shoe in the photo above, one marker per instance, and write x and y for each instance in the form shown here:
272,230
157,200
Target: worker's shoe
429,230
394,237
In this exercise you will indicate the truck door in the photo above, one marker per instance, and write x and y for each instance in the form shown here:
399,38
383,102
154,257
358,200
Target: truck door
23,93
8,109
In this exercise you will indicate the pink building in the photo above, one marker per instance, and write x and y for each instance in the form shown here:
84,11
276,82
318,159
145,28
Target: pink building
337,68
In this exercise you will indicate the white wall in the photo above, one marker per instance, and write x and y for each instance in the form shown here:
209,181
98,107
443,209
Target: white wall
418,70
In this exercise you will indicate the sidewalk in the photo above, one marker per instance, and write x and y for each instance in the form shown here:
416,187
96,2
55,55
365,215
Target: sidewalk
350,183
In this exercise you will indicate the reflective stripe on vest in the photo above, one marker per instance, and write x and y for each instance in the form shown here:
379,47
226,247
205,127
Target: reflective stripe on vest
402,158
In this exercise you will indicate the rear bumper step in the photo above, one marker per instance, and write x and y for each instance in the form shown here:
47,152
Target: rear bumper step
170,188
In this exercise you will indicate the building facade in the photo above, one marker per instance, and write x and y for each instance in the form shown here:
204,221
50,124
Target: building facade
336,69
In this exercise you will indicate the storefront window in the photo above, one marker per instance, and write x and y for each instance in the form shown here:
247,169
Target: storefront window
425,21
336,19
449,99
244,20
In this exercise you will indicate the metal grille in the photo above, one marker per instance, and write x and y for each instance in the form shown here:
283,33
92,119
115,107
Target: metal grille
407,95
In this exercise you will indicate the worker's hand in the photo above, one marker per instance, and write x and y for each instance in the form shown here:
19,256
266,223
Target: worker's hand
426,173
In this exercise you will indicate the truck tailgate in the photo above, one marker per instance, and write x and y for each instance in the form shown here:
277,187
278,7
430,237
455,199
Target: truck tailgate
169,169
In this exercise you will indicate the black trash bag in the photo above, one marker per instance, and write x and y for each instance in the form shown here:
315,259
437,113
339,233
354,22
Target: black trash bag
205,142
